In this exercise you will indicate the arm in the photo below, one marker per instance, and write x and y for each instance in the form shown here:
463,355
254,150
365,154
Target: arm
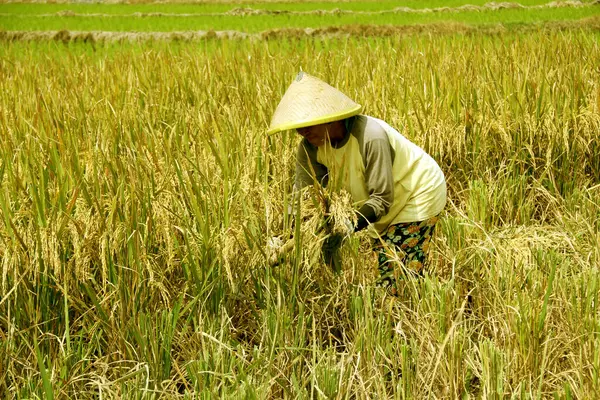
379,178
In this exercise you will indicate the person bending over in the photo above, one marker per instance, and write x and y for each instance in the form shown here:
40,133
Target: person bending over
398,189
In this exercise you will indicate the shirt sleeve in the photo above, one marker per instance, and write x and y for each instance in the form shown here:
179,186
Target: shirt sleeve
379,176
308,170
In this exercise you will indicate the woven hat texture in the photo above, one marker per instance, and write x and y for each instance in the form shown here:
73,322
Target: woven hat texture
310,101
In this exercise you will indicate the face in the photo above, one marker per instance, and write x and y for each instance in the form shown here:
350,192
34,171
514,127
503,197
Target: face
318,135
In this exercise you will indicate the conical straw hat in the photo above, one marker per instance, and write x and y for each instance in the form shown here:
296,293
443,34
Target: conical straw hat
310,101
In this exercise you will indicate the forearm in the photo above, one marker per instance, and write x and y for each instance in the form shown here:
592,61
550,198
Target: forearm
379,180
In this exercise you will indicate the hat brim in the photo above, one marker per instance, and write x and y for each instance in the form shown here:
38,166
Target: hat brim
316,121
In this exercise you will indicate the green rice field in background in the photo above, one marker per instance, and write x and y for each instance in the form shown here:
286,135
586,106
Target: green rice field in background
216,7
22,18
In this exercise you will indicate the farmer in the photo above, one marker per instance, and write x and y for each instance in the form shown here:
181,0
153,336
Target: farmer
398,189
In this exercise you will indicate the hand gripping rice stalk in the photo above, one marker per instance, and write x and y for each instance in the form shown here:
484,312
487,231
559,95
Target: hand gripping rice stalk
322,214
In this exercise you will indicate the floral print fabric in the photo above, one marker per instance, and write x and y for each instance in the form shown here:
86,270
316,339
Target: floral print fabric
406,242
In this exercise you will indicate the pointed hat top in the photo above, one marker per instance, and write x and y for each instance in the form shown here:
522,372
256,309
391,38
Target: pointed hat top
310,101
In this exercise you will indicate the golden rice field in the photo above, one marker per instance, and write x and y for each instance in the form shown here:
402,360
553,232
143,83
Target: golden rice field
138,191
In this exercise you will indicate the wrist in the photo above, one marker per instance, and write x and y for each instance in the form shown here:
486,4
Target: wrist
365,215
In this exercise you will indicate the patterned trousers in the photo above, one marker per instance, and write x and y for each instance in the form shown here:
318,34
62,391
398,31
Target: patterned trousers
404,242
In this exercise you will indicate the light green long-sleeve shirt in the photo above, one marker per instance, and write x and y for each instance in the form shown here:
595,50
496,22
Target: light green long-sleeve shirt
379,167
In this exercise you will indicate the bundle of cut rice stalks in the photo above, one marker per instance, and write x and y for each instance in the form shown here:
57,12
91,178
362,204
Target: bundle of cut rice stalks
321,215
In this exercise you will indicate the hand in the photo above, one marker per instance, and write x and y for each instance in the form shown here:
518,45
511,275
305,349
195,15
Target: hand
274,243
349,227
274,246
331,251
343,228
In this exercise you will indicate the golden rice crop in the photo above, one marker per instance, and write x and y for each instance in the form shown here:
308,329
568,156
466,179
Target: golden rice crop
139,192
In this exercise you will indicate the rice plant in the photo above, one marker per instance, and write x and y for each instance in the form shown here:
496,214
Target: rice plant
138,192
